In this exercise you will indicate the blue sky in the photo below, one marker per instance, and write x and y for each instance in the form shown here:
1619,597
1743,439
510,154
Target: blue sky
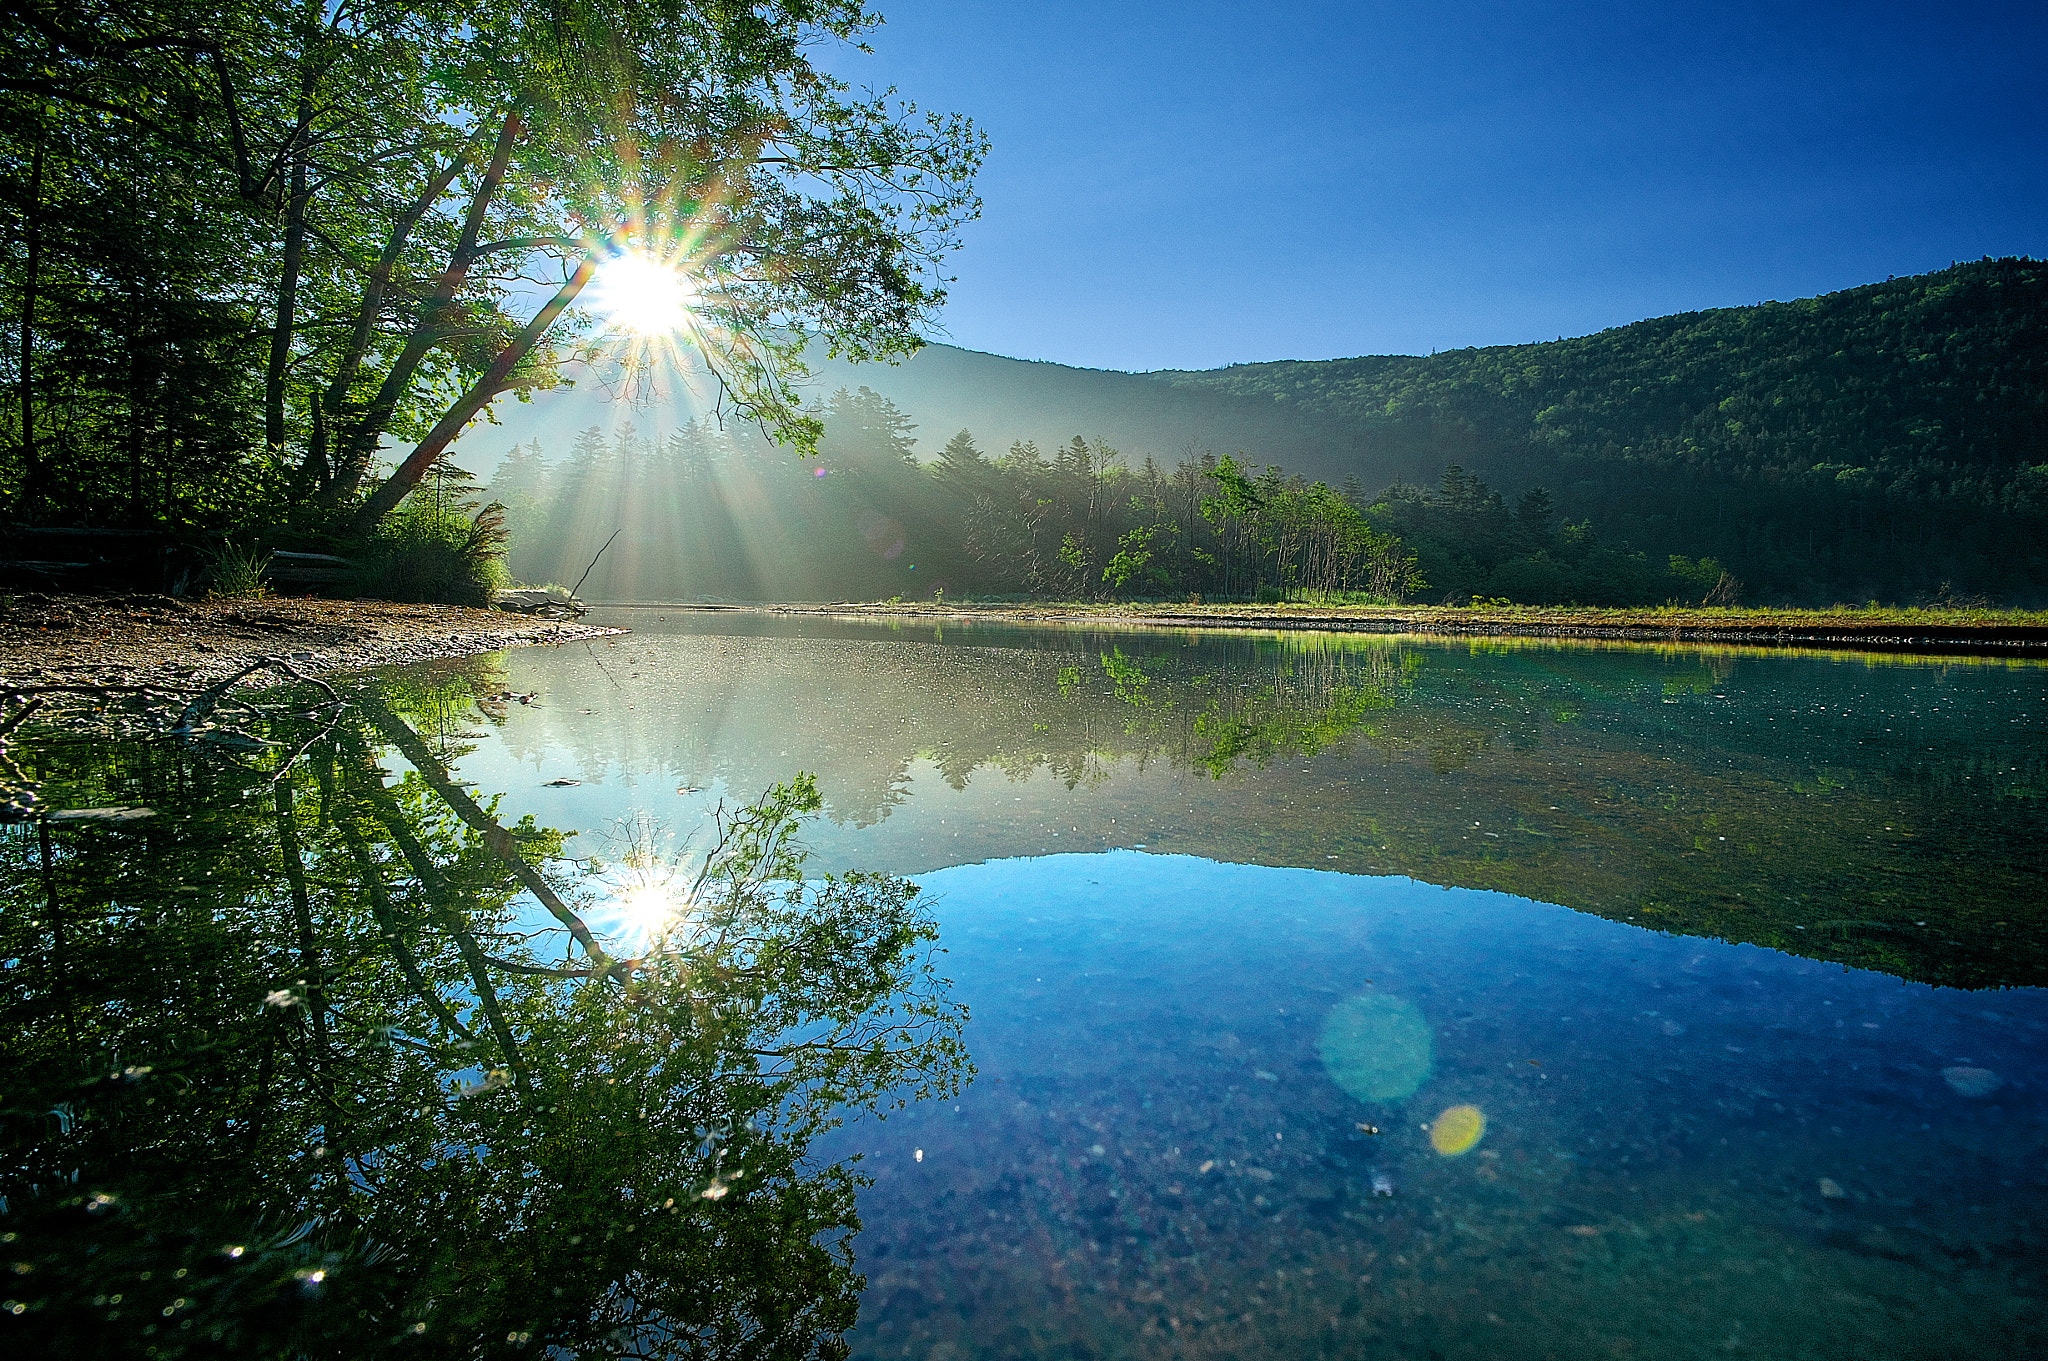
1195,184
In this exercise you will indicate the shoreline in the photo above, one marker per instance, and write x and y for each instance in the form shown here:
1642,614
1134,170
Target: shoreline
1878,631
157,641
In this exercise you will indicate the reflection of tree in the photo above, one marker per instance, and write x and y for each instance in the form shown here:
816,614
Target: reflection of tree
291,1071
1252,706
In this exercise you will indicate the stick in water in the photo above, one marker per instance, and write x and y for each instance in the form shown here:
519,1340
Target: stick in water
593,565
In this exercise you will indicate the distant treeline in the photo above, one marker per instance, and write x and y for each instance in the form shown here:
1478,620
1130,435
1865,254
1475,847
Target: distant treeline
709,513
1873,442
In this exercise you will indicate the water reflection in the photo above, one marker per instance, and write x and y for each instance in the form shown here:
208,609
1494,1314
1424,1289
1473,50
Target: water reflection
1808,803
1574,1137
327,1033
319,1059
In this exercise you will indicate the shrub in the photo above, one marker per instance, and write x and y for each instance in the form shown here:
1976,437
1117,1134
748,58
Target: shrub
428,552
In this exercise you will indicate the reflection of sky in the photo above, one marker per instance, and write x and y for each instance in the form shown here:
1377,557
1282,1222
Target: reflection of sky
1674,1100
1687,1143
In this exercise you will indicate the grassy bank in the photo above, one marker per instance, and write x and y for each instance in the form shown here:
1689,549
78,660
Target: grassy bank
1876,626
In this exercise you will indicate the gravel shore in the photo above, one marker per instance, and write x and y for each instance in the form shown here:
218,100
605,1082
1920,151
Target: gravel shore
156,640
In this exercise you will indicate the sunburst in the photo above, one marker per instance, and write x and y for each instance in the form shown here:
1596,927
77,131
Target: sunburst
644,296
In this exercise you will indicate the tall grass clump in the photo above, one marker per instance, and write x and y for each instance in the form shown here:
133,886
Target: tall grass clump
430,551
237,573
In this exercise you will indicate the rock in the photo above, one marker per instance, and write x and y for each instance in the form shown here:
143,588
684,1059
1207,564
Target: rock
563,783
1832,1189
1972,1081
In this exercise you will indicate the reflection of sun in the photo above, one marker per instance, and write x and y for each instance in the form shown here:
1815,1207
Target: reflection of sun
643,296
644,911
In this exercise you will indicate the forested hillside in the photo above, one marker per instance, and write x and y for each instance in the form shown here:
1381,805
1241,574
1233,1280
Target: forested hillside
1888,442
1873,442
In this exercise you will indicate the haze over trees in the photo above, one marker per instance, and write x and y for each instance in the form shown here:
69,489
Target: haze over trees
1886,441
261,264
704,512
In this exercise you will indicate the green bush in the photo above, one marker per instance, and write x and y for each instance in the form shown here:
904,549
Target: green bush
429,552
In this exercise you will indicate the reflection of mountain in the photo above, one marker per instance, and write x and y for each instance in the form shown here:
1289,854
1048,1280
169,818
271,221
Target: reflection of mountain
1813,805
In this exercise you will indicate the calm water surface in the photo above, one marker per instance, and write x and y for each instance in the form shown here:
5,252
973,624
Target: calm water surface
1329,996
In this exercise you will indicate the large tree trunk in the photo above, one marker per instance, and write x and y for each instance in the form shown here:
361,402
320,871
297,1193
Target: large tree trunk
357,441
382,501
278,369
316,469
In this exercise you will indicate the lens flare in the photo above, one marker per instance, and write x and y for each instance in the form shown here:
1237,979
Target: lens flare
641,295
1457,1130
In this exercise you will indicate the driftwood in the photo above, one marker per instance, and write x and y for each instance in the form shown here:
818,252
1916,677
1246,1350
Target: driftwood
593,563
18,800
191,722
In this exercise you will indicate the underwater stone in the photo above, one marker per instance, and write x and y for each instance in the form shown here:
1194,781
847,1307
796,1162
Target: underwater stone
1972,1081
1377,1048
106,815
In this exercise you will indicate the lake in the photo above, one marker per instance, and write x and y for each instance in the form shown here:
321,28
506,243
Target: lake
1323,995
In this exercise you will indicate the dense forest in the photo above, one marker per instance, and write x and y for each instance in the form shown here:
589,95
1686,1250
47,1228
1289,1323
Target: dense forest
1873,442
710,512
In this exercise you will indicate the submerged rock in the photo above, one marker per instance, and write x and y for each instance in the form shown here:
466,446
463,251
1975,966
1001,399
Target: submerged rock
1972,1081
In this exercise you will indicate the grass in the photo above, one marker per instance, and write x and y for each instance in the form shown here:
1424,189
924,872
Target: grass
238,574
1681,620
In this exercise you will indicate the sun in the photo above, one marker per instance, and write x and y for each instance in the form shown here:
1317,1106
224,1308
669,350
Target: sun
641,295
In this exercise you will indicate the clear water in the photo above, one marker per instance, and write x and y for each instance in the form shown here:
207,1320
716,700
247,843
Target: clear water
1738,956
